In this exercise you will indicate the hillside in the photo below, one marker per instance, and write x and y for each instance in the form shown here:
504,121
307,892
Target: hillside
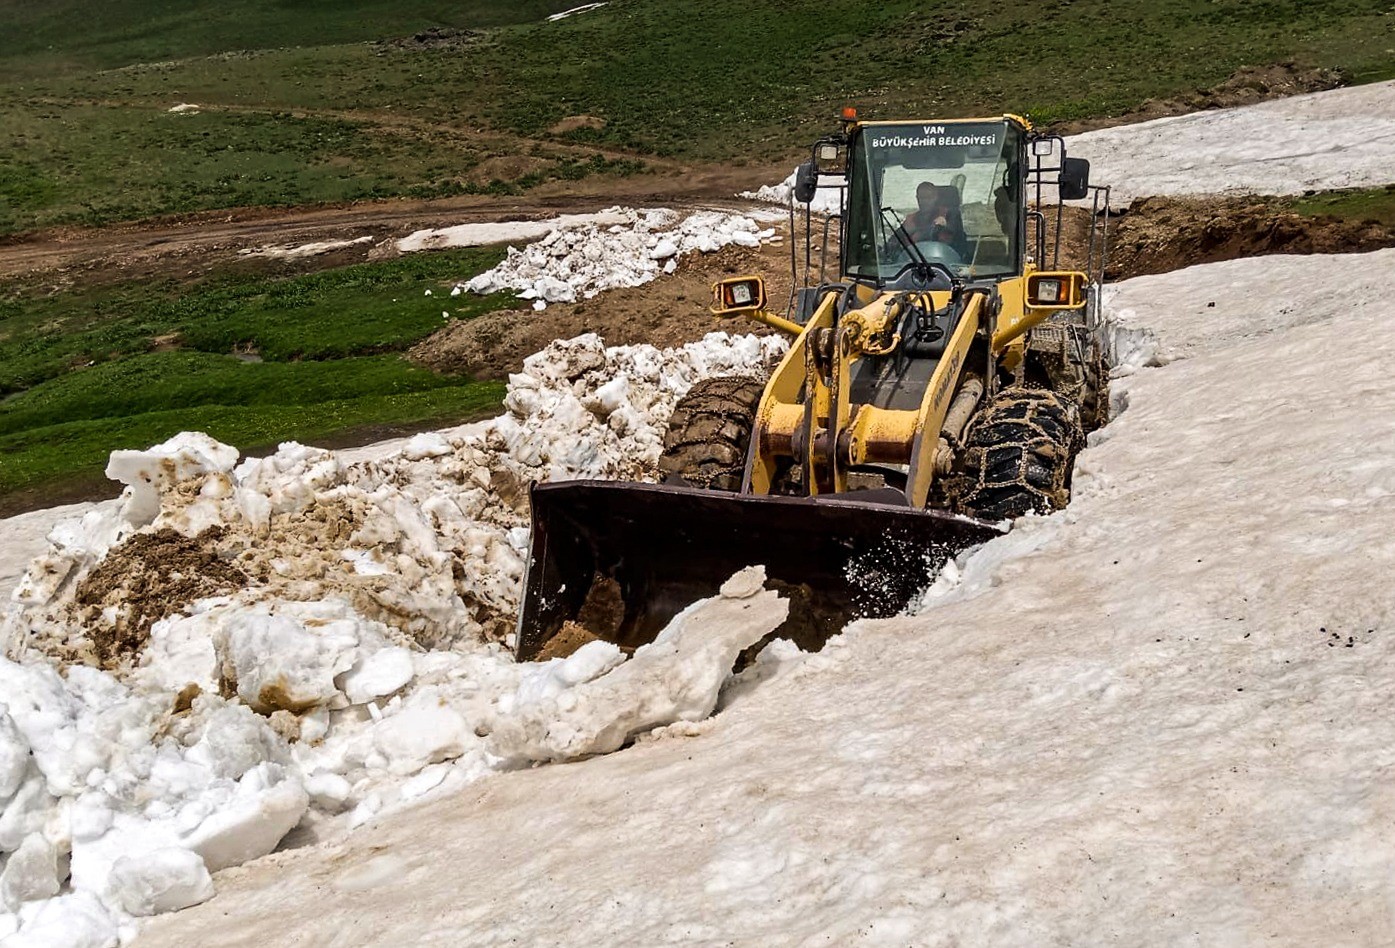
316,112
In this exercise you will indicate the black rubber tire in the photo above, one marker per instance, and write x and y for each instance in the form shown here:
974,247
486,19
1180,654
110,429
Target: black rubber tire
1017,456
709,433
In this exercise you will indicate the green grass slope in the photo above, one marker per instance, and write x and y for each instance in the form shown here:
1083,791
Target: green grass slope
250,360
76,34
707,80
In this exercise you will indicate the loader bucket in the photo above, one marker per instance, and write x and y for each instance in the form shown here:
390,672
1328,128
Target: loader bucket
652,550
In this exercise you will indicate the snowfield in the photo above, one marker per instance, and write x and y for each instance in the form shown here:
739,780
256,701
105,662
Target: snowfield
1163,715
1342,138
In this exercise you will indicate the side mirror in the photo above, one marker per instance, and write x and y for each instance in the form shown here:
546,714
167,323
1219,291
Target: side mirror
806,182
1074,182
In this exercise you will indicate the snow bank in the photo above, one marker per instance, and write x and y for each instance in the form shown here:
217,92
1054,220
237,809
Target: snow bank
299,640
1342,138
576,261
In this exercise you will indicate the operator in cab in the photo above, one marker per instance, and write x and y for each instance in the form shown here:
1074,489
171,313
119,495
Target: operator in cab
937,217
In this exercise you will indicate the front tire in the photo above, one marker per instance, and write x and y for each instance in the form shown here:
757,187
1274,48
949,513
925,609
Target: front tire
709,433
1018,454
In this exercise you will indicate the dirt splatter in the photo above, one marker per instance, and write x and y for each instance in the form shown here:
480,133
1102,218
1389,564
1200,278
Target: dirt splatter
1246,86
146,578
568,639
573,122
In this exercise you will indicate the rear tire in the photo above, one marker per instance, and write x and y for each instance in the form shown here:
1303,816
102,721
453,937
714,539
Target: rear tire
709,433
1017,456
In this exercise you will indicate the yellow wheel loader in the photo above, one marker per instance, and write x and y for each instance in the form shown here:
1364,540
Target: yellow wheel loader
937,386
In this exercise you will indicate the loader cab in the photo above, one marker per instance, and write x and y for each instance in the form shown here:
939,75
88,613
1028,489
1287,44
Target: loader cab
929,199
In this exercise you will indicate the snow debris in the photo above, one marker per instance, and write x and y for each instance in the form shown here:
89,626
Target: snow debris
828,199
307,640
184,108
594,701
578,261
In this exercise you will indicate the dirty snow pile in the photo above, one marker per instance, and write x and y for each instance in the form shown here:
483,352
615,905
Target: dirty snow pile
243,647
572,263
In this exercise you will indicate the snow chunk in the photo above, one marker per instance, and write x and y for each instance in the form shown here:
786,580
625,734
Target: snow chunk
676,677
425,734
73,921
149,474
381,673
163,880
267,803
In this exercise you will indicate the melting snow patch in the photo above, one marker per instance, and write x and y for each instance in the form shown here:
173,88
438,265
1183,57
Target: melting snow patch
298,251
183,108
479,235
584,8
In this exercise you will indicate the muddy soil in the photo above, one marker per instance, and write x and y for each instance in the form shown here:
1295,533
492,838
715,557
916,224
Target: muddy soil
146,578
1247,86
669,311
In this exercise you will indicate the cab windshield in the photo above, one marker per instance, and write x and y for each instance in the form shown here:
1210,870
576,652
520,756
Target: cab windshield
946,192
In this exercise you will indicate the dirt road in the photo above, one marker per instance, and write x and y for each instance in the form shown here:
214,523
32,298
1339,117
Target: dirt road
190,245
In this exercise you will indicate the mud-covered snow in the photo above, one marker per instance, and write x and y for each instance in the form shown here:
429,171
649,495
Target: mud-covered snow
240,647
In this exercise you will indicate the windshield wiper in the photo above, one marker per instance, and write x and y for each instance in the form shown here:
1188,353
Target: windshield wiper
906,243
